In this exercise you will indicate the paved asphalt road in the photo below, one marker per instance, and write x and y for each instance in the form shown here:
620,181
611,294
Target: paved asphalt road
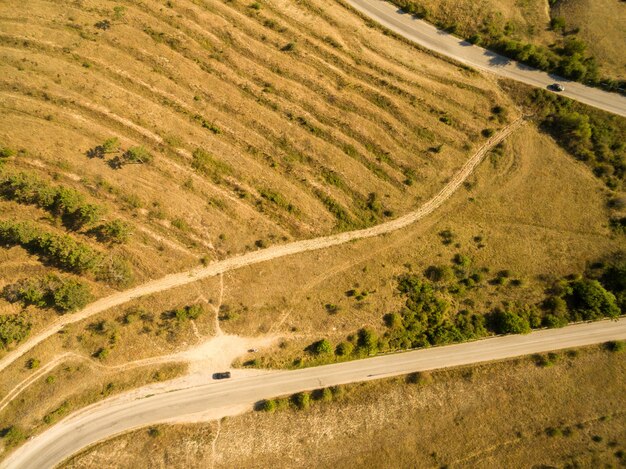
117,415
428,36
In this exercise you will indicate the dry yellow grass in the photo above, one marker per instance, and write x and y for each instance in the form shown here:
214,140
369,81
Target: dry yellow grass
299,138
494,415
344,112
540,214
602,25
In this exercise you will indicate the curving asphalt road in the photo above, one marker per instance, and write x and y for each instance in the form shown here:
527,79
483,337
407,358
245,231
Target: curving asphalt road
120,414
426,35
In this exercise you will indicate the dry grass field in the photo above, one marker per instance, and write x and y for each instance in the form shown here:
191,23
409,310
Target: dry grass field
264,123
602,25
509,414
539,214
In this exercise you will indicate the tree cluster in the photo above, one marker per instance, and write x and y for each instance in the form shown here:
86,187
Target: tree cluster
63,202
65,294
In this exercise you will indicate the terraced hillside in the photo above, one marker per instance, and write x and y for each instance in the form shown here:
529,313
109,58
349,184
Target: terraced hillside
206,129
142,139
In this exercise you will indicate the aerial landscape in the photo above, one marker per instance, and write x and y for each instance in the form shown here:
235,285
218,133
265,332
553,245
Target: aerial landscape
312,233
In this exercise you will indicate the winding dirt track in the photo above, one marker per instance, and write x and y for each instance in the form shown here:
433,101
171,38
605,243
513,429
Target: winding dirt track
274,252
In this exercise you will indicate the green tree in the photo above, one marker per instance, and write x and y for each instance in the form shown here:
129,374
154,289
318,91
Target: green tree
367,340
344,349
114,231
13,329
508,322
301,400
321,347
72,295
589,300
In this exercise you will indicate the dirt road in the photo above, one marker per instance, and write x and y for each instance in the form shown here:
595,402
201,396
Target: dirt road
274,252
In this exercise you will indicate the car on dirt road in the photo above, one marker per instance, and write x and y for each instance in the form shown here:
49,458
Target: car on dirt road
556,87
221,375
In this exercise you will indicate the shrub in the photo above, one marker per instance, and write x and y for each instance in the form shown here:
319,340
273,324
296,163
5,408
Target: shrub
324,395
32,363
134,155
115,271
321,347
204,163
367,340
588,300
447,236
13,329
6,152
616,346
301,400
60,250
557,24
187,312
56,413
63,202
64,294
13,436
71,295
114,231
344,349
268,405
102,353
441,273
422,378
508,322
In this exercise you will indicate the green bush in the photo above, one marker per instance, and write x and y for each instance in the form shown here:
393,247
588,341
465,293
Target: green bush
205,163
12,436
13,329
134,155
102,353
63,293
344,349
616,346
56,413
509,322
187,312
72,295
32,363
114,231
66,203
367,340
321,347
588,300
301,400
115,271
268,405
60,250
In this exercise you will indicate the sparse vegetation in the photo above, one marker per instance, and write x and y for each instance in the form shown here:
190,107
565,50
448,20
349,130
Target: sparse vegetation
65,294
63,202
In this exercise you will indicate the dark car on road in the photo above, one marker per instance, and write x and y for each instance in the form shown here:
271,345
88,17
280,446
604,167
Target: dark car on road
556,87
221,375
